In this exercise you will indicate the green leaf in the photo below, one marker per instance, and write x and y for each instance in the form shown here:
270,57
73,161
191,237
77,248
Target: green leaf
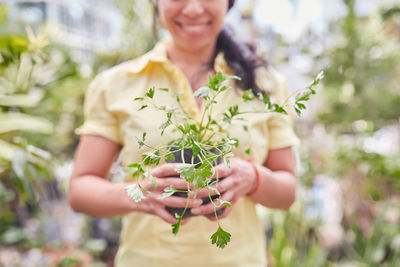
203,92
149,176
150,93
192,175
200,176
138,98
183,167
248,95
169,156
317,80
224,202
184,128
232,112
140,141
185,170
220,238
301,106
150,158
134,192
215,81
164,126
169,114
232,142
304,96
264,98
135,169
163,89
279,109
168,191
196,148
227,118
247,151
142,107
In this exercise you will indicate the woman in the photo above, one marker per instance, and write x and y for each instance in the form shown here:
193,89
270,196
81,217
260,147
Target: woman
199,46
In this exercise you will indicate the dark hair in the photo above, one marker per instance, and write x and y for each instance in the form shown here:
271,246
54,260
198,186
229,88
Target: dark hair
240,57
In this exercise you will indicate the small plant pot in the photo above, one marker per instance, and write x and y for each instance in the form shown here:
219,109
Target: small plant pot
188,158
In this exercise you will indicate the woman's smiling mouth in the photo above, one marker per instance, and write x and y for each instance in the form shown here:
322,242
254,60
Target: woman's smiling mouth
194,29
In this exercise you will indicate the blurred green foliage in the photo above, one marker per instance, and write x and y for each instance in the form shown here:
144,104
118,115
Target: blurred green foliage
40,92
362,81
295,241
41,104
361,95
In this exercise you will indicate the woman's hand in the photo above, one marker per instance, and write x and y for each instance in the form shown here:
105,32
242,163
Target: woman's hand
165,176
237,181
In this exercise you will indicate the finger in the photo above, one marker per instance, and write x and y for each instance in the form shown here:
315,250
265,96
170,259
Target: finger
225,211
181,202
203,193
165,170
178,183
225,184
165,215
206,208
221,171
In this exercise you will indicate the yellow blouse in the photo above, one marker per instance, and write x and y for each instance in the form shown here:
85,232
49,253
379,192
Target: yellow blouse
110,111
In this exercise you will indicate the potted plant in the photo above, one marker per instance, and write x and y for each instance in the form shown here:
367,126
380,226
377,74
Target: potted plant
201,144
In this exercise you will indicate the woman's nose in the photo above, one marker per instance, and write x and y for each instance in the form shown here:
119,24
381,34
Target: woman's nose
193,8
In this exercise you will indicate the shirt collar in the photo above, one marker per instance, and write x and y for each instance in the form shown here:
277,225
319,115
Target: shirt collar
158,55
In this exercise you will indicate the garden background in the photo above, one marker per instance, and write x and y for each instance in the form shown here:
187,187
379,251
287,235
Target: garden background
347,211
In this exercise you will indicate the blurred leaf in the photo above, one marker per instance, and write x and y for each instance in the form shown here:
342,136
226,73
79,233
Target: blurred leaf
7,150
3,13
22,100
17,43
19,161
14,121
13,235
96,246
69,261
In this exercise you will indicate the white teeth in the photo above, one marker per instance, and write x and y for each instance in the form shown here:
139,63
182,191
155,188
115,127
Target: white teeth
193,28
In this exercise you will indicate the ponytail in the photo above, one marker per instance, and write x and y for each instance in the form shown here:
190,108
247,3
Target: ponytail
240,57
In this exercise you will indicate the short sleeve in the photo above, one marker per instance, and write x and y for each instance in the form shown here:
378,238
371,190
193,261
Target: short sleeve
280,126
98,119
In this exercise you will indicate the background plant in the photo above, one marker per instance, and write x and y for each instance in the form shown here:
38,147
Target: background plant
348,144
